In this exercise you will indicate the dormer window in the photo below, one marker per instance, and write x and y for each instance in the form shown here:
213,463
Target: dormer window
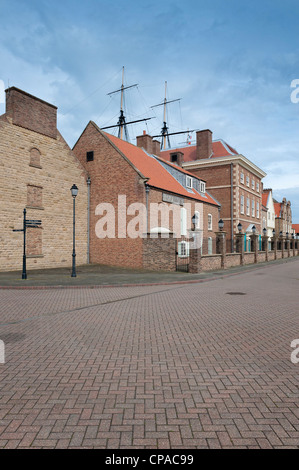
189,182
202,187
174,157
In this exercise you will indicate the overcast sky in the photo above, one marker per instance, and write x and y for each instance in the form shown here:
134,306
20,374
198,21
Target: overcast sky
230,62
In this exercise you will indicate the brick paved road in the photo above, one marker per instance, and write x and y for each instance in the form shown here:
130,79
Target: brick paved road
153,367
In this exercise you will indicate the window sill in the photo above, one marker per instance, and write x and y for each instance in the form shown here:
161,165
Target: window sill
35,166
35,207
34,256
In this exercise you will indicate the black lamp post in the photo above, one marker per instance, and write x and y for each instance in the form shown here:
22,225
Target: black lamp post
220,225
253,229
273,232
74,191
240,227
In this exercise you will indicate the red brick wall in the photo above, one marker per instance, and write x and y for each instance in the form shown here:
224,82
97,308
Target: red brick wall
31,113
111,175
159,253
203,144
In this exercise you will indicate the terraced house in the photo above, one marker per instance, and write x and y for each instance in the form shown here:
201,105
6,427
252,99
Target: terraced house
126,178
234,180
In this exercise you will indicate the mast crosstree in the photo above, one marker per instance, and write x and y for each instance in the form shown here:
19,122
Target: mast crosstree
122,124
164,131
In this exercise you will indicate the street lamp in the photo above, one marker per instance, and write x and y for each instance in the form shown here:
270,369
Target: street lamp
264,231
273,232
253,229
220,225
74,192
287,235
280,233
240,227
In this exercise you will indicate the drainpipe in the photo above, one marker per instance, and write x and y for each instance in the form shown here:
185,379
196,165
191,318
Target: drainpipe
232,206
147,190
88,181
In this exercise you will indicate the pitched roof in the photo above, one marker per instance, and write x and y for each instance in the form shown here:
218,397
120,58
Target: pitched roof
277,208
151,167
265,196
296,227
219,149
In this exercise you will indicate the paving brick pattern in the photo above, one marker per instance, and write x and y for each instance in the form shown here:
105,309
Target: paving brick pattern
182,366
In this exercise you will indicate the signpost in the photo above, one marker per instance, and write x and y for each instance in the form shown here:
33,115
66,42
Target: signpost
26,224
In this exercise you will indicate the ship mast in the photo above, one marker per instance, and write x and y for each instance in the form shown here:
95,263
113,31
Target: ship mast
164,131
122,124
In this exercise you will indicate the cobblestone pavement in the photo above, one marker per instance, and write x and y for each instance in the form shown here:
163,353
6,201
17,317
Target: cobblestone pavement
180,366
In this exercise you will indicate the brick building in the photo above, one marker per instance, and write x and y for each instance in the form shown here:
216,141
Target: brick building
283,217
37,170
231,178
269,218
126,178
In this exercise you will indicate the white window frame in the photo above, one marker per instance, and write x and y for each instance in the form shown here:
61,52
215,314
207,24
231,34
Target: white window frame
242,177
252,208
253,184
242,204
247,181
257,210
189,182
210,246
258,186
248,206
183,249
202,187
183,221
210,222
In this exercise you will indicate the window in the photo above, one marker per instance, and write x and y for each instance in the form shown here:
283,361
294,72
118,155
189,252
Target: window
252,208
257,210
242,177
247,206
34,242
242,204
174,158
183,249
210,246
247,181
89,156
34,196
202,187
252,184
189,182
258,187
35,158
183,221
197,220
210,222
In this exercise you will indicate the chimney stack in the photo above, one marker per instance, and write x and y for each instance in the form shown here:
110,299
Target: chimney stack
204,144
145,141
30,112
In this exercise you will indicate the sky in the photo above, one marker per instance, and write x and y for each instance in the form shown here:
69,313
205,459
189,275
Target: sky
232,65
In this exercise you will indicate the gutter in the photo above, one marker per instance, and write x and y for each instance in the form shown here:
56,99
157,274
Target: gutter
232,206
88,181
